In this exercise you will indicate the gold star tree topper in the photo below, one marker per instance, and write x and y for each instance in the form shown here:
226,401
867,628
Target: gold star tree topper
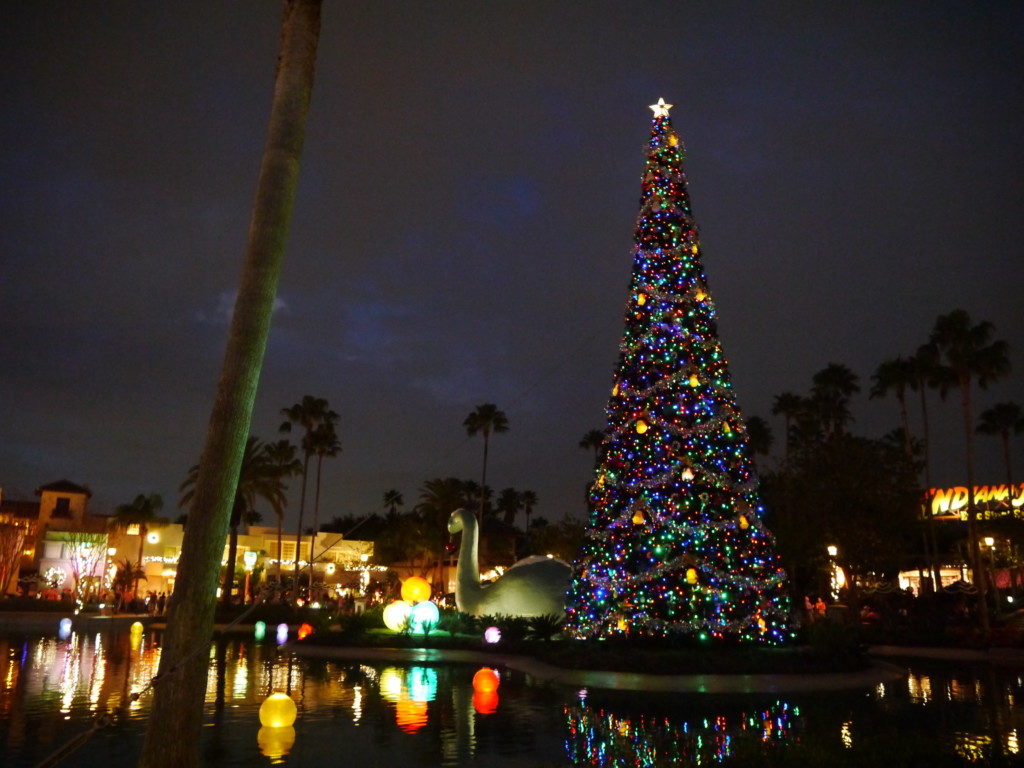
661,108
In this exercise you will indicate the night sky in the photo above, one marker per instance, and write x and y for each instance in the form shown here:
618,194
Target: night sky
463,227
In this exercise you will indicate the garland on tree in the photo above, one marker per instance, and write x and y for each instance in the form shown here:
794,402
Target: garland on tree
675,544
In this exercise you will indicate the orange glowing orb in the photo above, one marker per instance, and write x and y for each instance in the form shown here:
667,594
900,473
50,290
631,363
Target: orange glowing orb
485,702
305,630
415,589
486,680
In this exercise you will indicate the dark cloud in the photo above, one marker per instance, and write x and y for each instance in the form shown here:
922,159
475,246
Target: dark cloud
463,225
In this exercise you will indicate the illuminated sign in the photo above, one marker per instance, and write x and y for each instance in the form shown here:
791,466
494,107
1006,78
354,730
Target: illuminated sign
990,501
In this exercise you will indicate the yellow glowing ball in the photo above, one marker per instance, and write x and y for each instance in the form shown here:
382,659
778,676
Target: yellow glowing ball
396,615
278,711
415,589
691,575
137,628
641,299
275,742
486,680
694,381
641,426
744,524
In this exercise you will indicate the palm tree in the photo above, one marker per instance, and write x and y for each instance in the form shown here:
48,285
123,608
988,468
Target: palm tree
282,455
593,441
529,500
896,375
175,727
259,478
140,512
308,414
1002,419
323,442
788,405
831,390
759,436
970,355
486,419
393,500
439,497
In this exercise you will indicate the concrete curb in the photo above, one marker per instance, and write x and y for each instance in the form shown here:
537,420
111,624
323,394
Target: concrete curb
878,672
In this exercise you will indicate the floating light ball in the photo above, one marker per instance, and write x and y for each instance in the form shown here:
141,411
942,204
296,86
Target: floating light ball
485,702
259,630
65,628
136,628
415,589
275,743
278,711
305,630
282,633
396,615
423,615
422,682
492,635
486,679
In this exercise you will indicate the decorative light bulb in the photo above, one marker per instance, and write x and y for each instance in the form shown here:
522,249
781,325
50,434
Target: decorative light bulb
641,426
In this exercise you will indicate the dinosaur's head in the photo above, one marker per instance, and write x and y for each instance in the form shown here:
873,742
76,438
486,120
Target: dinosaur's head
457,520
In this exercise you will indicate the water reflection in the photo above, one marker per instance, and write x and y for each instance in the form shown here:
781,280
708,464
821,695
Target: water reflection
599,737
429,715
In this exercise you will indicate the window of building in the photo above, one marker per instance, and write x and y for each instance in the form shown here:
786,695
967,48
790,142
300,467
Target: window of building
62,508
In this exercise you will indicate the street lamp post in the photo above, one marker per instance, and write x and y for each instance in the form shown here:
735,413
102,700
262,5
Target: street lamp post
249,561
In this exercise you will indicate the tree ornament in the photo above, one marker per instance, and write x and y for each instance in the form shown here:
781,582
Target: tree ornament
744,524
641,426
615,390
687,474
694,381
691,575
641,299
638,517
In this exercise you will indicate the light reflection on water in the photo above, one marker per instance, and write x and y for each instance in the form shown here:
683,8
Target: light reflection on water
430,715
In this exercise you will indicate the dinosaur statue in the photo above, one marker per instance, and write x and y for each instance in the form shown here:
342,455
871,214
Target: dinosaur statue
534,586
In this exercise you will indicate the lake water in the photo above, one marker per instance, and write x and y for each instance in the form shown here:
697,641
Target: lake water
416,715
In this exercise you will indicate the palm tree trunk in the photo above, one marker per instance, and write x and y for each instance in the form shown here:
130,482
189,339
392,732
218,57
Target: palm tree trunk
977,566
298,532
483,481
280,527
316,518
930,522
174,730
142,543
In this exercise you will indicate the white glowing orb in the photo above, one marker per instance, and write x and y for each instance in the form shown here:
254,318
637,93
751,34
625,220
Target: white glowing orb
492,634
396,615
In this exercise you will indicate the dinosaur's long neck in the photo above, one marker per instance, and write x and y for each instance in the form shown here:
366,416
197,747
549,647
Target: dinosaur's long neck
469,567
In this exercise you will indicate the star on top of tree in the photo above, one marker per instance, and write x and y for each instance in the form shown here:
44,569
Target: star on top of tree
661,108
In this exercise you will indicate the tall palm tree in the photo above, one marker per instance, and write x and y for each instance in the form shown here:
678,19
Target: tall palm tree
439,497
1002,419
282,454
592,441
529,500
896,375
307,414
142,512
259,478
324,443
970,355
788,405
486,420
831,390
393,500
175,727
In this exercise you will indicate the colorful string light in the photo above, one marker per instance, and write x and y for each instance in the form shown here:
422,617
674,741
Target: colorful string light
675,545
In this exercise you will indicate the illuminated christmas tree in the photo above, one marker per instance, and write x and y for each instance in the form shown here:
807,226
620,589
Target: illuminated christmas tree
675,545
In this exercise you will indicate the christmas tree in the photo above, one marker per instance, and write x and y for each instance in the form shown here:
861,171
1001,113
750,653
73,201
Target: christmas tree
675,545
